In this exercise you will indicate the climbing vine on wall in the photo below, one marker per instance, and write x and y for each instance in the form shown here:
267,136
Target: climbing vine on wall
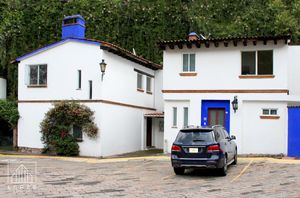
58,122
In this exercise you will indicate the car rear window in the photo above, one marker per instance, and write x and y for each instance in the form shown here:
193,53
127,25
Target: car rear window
194,137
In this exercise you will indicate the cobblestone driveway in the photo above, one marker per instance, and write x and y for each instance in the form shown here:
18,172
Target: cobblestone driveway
147,178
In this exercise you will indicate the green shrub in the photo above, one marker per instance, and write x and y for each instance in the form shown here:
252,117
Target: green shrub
67,146
9,112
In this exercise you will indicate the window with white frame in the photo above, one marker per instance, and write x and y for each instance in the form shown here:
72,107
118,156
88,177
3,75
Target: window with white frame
148,85
185,116
37,75
188,62
269,111
174,116
257,62
139,81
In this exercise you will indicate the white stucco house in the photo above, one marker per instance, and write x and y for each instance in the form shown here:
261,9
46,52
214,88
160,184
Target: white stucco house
247,84
2,88
123,98
250,85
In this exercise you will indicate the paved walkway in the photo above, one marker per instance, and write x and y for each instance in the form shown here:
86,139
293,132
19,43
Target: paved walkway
151,176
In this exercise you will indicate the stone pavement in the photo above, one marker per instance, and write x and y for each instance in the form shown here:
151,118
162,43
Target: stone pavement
143,177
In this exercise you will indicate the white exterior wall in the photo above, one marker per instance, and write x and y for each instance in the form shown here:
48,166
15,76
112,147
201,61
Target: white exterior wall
294,70
264,136
157,135
63,61
159,101
2,88
120,81
120,128
253,134
219,69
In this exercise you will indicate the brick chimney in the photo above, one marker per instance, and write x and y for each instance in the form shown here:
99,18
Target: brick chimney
193,36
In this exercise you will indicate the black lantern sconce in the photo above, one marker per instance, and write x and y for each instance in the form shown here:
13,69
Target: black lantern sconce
102,68
235,104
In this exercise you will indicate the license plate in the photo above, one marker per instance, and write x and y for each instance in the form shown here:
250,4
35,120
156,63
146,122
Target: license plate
193,150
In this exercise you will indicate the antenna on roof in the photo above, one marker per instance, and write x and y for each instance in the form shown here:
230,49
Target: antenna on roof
133,51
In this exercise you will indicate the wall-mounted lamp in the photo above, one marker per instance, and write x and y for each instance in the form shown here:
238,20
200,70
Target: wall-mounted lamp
235,104
102,68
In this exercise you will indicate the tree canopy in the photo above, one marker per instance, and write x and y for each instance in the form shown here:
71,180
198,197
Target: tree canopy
139,24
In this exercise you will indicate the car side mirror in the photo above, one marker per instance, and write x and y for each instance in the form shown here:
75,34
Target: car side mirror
232,137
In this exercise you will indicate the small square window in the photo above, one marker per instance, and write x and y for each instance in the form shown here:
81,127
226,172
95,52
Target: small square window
273,111
266,112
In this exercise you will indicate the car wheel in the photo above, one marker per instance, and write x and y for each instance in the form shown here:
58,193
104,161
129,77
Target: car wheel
223,171
179,171
235,158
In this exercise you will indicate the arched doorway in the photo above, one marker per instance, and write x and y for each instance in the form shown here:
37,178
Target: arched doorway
6,136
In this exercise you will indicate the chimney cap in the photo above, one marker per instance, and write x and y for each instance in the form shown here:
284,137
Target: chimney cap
74,16
193,34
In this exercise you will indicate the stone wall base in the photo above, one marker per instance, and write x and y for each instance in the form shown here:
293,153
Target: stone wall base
30,150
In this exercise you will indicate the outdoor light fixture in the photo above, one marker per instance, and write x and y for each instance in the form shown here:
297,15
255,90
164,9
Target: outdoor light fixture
235,104
102,68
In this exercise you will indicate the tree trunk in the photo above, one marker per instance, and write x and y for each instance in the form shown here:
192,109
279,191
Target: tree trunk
15,137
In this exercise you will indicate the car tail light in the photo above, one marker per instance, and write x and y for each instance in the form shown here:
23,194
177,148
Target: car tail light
176,148
214,148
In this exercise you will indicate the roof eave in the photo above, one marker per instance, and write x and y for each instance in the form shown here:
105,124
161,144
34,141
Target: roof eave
130,56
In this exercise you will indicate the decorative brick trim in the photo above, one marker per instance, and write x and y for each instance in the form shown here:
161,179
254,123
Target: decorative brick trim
256,76
229,91
270,117
140,90
188,74
149,92
89,101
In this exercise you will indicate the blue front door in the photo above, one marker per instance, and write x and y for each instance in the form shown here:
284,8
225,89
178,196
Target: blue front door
293,132
215,112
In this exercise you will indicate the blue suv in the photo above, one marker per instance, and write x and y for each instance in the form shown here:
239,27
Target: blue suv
203,148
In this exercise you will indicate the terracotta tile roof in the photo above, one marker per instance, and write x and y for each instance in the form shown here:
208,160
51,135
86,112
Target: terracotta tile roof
163,44
154,114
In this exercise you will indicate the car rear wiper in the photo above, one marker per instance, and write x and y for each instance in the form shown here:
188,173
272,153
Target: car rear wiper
198,140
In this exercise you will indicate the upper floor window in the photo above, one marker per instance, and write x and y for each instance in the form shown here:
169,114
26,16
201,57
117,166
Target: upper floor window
148,85
37,75
257,62
188,64
139,81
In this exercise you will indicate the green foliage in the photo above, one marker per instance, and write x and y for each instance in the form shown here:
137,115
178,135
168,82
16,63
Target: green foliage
67,146
9,112
58,122
28,25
